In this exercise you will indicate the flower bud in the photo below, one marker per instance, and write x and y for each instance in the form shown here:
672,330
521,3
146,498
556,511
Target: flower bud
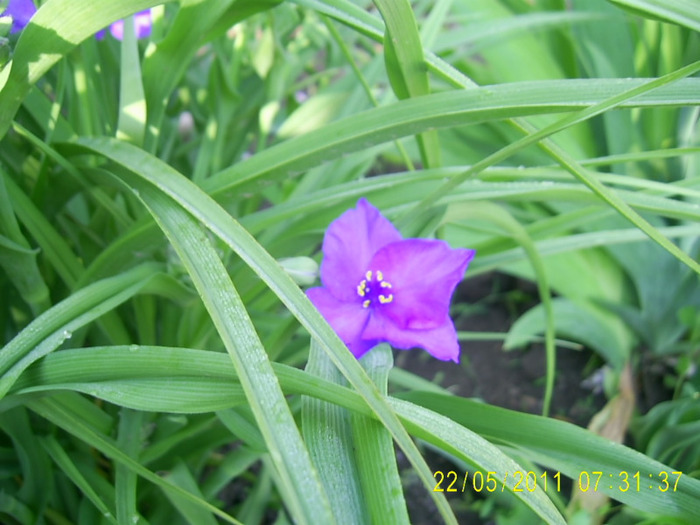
303,270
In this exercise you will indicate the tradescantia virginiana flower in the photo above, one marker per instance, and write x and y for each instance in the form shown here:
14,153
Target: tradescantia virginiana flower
379,287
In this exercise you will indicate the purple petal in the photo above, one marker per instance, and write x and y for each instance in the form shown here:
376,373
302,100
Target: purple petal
348,246
423,275
440,342
21,12
347,319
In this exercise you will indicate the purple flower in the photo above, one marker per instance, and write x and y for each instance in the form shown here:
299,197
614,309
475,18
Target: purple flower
20,11
379,287
142,26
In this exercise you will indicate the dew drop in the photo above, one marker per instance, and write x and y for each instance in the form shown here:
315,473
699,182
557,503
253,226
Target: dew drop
67,334
133,348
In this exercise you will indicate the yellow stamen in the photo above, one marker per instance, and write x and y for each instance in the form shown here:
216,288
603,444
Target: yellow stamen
365,304
380,275
385,284
386,299
369,275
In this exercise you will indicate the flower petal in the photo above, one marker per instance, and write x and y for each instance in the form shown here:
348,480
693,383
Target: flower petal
348,246
347,319
423,274
440,342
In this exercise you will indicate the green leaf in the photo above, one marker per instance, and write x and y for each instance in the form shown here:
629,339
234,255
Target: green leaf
572,321
328,435
45,333
307,499
122,367
56,28
681,12
563,447
132,100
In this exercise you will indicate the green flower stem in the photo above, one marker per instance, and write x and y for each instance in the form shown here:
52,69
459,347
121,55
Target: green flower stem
376,459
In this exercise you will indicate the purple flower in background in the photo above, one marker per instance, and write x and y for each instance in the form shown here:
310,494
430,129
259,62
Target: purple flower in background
142,26
379,287
20,11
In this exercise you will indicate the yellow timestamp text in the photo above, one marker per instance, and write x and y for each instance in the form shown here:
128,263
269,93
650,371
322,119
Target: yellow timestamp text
595,480
491,481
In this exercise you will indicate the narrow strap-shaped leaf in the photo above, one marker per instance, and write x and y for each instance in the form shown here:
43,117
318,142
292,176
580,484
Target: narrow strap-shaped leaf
129,442
571,450
682,12
61,458
55,248
54,411
118,364
17,258
307,500
502,218
406,66
570,164
131,124
453,108
328,435
181,476
53,327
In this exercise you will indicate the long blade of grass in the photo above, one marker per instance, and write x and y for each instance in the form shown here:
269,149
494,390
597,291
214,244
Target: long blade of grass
307,500
405,65
61,458
70,367
53,327
54,411
570,164
681,12
376,460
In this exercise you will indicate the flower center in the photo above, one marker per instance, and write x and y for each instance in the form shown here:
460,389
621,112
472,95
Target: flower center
372,287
